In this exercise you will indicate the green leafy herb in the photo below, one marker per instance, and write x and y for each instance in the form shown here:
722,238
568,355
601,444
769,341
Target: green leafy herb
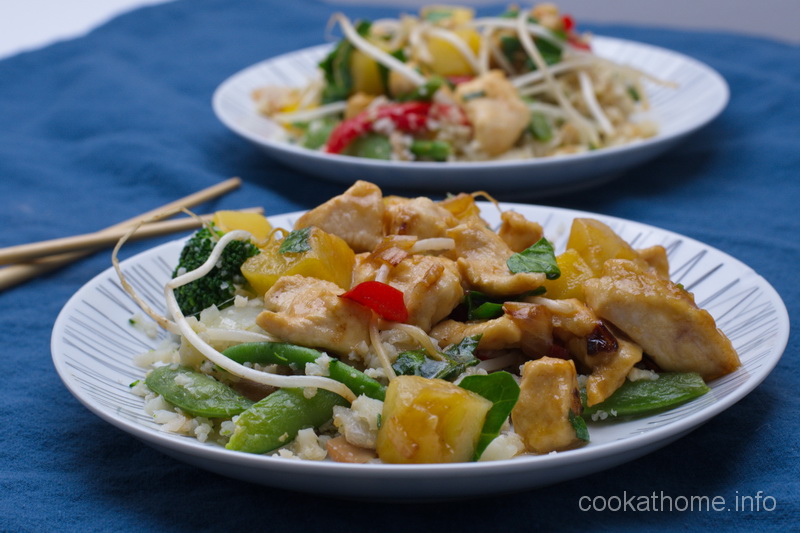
503,391
634,94
336,68
456,359
579,425
540,257
297,241
540,127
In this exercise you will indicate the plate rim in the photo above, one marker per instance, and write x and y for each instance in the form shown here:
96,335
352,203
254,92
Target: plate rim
644,442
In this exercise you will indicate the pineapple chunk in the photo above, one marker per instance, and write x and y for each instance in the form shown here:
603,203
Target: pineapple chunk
329,258
447,59
596,243
430,421
366,74
255,223
548,392
574,271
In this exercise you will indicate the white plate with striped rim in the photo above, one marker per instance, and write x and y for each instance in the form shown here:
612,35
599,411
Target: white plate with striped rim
93,346
701,95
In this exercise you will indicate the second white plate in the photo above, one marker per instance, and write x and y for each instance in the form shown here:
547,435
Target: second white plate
701,95
93,346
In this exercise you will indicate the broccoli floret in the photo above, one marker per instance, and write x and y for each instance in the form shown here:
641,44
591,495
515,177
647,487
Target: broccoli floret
218,287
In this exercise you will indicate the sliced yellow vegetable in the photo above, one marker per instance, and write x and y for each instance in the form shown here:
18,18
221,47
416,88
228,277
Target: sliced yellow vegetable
447,60
430,421
366,74
328,258
256,223
596,243
574,271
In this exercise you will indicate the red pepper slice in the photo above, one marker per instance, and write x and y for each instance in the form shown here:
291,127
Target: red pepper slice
381,298
409,117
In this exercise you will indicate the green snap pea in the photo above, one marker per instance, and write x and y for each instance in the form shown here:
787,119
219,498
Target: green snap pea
282,353
643,397
275,420
435,150
196,393
318,132
371,146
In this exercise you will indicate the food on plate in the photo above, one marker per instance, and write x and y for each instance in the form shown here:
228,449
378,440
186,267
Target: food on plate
407,330
445,85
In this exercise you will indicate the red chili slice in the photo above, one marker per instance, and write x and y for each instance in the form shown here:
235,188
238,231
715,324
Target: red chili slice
381,298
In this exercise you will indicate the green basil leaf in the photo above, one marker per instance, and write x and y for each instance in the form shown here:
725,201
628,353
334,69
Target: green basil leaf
579,425
540,127
297,241
540,257
503,391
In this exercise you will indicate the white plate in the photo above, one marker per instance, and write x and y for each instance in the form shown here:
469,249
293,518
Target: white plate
701,95
92,346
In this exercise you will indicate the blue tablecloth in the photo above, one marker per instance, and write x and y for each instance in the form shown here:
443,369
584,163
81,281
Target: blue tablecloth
98,129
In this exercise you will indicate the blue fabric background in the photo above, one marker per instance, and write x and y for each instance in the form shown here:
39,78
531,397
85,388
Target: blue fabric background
96,130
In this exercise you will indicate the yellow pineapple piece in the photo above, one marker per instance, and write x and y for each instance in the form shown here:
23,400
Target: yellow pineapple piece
574,271
430,421
256,223
329,258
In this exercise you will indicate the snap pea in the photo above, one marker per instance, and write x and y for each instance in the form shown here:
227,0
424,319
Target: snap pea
318,132
637,398
282,353
275,420
371,146
435,150
196,393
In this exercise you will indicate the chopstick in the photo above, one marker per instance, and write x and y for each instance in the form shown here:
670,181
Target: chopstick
94,241
14,274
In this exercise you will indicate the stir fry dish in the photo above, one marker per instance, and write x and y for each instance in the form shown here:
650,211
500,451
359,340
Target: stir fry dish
385,329
447,86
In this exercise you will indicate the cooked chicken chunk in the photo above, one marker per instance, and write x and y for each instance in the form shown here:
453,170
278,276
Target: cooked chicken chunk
420,216
518,232
431,285
548,393
497,113
536,326
662,318
482,257
656,258
309,312
463,207
497,334
608,369
356,216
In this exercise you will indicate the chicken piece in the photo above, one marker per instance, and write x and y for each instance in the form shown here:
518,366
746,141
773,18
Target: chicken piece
497,334
464,208
357,103
497,113
275,99
431,285
356,216
608,369
656,258
308,311
518,232
420,217
536,326
548,393
482,257
662,318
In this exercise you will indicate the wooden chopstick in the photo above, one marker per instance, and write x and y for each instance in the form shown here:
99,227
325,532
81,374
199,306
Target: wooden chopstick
15,274
94,241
